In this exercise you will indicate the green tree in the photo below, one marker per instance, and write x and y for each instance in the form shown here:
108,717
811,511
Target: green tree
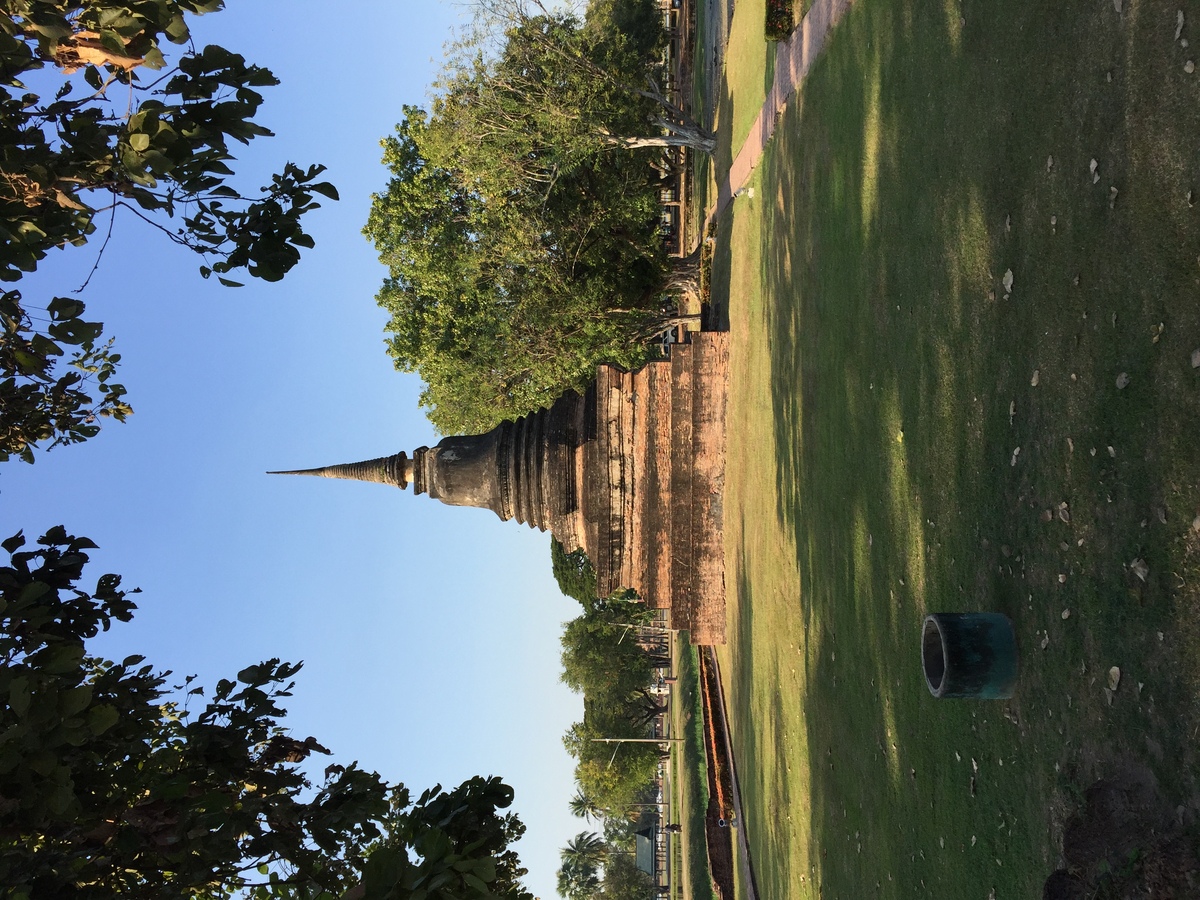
574,572
131,136
113,785
40,403
585,807
623,880
577,880
602,661
155,145
606,70
614,775
521,237
582,859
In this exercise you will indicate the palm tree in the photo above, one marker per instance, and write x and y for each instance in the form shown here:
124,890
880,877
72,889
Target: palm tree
585,807
577,879
587,848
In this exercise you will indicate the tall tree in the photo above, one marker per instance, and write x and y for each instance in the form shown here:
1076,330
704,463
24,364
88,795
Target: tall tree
623,880
583,806
607,66
602,660
112,784
522,239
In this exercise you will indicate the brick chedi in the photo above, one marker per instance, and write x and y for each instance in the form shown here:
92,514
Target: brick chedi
632,471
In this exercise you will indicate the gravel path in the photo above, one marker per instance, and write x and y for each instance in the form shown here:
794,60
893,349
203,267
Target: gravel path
793,58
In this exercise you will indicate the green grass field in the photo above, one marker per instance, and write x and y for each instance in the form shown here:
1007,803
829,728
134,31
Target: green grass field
884,377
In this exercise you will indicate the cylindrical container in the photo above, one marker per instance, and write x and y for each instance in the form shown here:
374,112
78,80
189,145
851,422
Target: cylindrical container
969,655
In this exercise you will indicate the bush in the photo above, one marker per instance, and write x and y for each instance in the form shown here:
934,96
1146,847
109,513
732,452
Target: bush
780,23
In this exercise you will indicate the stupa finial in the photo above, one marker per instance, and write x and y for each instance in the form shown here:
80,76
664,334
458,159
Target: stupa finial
395,470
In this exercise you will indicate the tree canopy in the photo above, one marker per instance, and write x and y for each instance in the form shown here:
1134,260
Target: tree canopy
113,783
156,145
605,659
520,234
134,135
574,573
40,402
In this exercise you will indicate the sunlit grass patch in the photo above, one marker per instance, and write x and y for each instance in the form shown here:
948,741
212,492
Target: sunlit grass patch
896,454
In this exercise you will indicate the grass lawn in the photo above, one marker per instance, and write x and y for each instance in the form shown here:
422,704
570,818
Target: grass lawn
749,71
688,761
884,377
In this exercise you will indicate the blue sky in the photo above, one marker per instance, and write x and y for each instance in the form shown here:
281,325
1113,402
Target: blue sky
429,633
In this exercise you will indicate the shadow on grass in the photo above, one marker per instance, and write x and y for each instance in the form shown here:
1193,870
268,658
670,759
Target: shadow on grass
925,159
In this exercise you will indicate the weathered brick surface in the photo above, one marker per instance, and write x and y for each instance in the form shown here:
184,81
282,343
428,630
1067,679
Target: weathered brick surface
656,478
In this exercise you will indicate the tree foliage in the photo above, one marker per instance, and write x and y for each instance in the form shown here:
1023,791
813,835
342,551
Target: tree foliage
623,880
41,403
128,134
114,784
603,659
522,242
137,136
574,573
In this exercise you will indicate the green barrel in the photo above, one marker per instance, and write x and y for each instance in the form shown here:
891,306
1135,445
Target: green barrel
969,655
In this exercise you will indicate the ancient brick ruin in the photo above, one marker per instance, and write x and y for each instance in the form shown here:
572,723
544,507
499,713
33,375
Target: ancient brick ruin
632,471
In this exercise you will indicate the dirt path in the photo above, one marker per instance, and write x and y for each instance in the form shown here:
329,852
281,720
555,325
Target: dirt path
793,58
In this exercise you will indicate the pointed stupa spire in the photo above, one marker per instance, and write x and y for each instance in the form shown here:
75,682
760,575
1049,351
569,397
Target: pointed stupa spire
395,470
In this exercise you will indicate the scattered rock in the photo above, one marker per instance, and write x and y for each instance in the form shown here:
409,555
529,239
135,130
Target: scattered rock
1066,614
1189,67
1012,411
1049,163
1112,452
1070,445
1114,678
1064,512
1117,4
1092,167
1123,381
1160,513
1062,578
1045,642
1196,358
1112,196
1016,453
1007,281
1047,515
1196,524
1108,695
1156,332
1037,376
1139,568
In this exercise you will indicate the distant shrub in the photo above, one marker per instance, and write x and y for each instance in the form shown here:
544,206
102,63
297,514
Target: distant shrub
779,20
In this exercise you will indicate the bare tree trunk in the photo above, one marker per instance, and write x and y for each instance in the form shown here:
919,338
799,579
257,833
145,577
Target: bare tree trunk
684,275
692,138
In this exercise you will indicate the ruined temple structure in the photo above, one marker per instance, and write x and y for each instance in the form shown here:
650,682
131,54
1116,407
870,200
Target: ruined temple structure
632,471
